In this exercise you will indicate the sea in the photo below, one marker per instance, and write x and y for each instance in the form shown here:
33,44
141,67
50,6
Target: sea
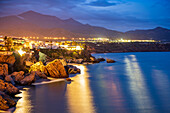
138,82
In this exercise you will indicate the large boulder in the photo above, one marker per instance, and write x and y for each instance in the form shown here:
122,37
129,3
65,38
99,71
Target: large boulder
17,76
73,69
39,66
3,104
56,69
3,69
8,78
39,75
9,59
6,101
110,61
28,79
101,59
8,88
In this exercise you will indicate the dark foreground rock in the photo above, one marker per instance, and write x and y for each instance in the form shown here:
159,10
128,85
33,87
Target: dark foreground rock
40,75
28,79
9,59
6,101
8,88
101,59
3,69
73,69
110,61
17,76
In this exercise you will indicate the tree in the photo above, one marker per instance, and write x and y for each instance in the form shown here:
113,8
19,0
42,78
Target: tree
8,42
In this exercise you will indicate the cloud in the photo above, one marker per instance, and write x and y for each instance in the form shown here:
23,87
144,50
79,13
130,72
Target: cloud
101,3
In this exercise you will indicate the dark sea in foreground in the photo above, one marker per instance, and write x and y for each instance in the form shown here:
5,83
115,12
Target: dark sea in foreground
136,83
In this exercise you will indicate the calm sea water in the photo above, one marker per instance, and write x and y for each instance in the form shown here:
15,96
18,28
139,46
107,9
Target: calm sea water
136,83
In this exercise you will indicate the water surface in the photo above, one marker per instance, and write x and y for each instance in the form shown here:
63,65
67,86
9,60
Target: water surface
136,83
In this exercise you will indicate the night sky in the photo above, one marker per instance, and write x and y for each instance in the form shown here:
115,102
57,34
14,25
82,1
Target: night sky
121,15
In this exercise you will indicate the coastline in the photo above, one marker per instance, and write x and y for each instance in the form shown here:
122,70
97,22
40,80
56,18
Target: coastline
130,51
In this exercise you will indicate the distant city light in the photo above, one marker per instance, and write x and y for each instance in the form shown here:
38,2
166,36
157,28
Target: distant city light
21,52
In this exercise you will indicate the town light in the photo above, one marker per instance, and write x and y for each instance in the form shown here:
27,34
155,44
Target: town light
78,48
21,52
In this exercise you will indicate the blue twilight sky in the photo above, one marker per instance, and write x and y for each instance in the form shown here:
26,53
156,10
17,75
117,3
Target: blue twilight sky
121,15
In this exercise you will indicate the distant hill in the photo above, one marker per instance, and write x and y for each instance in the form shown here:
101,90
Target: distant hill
158,33
31,23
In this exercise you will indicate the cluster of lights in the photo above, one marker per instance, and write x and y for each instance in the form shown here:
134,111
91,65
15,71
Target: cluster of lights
75,48
21,52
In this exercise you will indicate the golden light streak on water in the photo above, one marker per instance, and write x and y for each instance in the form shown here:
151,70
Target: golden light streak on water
137,85
23,104
79,95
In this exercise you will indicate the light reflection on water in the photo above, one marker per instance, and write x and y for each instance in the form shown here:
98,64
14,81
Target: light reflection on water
137,84
23,104
79,95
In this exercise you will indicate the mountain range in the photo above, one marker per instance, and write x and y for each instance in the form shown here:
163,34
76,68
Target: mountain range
32,23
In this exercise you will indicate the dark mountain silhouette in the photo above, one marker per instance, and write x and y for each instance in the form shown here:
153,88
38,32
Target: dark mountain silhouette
31,23
157,33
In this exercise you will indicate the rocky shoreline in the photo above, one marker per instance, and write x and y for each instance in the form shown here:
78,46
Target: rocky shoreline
11,80
17,72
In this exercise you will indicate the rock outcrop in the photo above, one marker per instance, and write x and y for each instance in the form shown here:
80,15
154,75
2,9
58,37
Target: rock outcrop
17,76
73,69
3,69
8,88
101,59
8,78
28,79
6,101
39,75
110,61
38,67
9,59
56,69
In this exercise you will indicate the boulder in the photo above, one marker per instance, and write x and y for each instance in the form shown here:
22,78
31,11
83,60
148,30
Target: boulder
8,78
39,66
73,69
6,101
56,69
3,69
3,104
110,61
8,88
39,75
9,59
28,79
17,76
101,59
